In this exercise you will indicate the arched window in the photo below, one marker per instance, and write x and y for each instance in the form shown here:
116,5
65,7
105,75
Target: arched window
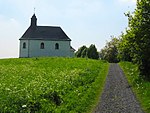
42,45
56,46
24,45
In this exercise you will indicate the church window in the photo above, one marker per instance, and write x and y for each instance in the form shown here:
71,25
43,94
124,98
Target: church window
24,45
42,45
56,46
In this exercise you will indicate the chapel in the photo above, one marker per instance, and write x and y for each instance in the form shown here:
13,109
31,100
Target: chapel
45,41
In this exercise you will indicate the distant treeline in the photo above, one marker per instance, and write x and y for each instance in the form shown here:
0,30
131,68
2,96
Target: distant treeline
86,52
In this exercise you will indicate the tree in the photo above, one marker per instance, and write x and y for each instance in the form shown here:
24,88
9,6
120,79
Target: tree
92,52
110,51
124,53
137,37
140,27
80,50
84,53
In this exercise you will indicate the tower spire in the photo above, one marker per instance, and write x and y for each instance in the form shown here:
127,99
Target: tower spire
33,21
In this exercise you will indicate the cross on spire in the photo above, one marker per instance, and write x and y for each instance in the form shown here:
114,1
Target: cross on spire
34,10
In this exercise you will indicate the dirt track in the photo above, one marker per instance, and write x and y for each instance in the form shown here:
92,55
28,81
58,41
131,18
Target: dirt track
117,96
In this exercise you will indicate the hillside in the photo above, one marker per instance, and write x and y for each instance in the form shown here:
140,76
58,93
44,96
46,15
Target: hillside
50,84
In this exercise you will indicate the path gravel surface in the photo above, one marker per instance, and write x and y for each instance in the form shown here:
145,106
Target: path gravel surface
117,96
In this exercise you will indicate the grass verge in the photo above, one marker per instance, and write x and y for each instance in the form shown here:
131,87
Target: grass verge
54,85
140,86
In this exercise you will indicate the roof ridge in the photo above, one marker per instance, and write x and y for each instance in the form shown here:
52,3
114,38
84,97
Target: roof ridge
49,26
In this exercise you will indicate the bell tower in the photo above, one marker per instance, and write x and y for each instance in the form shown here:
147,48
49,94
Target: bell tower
33,21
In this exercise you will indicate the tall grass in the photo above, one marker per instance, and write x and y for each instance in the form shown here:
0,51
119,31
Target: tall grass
53,85
140,86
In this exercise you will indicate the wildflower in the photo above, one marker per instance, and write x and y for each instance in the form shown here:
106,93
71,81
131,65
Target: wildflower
24,106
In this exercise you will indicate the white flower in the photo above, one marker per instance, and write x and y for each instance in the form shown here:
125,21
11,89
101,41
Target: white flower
24,106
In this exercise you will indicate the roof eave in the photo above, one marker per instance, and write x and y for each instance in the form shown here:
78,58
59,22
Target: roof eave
45,39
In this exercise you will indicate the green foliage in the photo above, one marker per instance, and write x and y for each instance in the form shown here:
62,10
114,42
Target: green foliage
50,85
110,51
84,53
80,51
140,86
90,52
136,42
124,53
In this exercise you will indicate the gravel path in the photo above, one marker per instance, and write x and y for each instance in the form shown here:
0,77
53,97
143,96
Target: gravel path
117,96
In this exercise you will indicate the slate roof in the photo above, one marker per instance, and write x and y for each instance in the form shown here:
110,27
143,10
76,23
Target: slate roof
71,48
45,33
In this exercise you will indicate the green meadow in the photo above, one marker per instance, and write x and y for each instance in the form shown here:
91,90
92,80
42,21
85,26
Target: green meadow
140,86
54,85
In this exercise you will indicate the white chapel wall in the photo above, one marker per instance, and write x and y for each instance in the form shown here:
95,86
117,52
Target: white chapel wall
23,51
49,48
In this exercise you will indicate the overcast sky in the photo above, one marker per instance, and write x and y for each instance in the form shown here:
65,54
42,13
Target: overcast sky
84,21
